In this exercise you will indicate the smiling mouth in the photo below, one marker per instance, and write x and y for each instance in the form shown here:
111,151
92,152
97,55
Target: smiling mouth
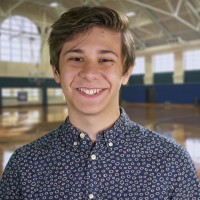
90,91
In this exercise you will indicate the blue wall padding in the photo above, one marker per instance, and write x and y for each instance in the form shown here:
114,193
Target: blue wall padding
133,93
192,76
25,82
183,93
170,93
163,78
136,80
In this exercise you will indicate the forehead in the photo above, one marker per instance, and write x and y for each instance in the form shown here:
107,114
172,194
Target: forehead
95,29
95,36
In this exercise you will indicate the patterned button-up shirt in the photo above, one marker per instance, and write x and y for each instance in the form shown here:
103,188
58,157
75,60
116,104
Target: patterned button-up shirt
127,162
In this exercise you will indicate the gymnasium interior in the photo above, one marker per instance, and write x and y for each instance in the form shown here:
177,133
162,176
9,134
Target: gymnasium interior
163,92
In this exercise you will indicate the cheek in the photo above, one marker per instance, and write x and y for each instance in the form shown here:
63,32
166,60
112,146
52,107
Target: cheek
65,80
116,74
114,79
67,74
112,70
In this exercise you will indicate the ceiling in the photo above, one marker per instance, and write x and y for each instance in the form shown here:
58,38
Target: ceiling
155,23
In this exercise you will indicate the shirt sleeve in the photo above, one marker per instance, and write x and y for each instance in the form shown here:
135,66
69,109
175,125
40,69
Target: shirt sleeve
188,183
10,181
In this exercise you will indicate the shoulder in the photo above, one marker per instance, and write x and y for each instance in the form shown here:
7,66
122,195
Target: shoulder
155,143
40,146
164,151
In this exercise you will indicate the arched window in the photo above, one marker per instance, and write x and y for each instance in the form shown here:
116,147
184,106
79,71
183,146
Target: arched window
19,40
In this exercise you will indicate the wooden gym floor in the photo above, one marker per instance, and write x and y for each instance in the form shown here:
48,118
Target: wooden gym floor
21,125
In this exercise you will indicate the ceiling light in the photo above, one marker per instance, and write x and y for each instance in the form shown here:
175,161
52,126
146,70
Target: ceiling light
53,4
130,14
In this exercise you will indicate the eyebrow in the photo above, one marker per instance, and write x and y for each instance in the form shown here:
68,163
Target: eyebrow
108,52
74,51
100,51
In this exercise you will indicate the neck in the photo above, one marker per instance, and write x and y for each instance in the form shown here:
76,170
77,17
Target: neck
92,124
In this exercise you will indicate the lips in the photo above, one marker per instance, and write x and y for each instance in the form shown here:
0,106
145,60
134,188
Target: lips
90,91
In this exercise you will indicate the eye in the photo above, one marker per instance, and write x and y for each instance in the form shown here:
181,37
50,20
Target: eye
77,59
105,60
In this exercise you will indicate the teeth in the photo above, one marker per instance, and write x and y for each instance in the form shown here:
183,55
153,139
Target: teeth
90,91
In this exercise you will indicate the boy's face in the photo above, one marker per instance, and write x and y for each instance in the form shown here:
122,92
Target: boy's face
91,67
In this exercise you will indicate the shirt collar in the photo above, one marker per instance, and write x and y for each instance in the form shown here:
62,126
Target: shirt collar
72,135
118,128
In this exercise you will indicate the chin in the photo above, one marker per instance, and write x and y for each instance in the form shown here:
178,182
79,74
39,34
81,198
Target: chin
89,111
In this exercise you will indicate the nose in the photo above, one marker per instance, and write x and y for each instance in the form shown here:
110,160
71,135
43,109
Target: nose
89,71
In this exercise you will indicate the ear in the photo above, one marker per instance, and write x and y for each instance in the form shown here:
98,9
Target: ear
127,76
56,74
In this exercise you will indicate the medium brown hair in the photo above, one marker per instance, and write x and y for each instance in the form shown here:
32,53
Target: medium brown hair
80,19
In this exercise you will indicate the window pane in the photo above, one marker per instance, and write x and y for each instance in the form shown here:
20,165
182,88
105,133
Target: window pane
6,92
163,63
58,92
5,57
139,67
16,57
192,59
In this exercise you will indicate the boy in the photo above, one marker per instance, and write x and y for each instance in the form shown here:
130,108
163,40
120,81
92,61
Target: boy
98,152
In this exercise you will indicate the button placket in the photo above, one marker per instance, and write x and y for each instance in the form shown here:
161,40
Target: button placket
91,174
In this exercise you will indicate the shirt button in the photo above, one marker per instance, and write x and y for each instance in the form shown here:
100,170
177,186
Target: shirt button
93,157
91,196
110,144
82,135
75,143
